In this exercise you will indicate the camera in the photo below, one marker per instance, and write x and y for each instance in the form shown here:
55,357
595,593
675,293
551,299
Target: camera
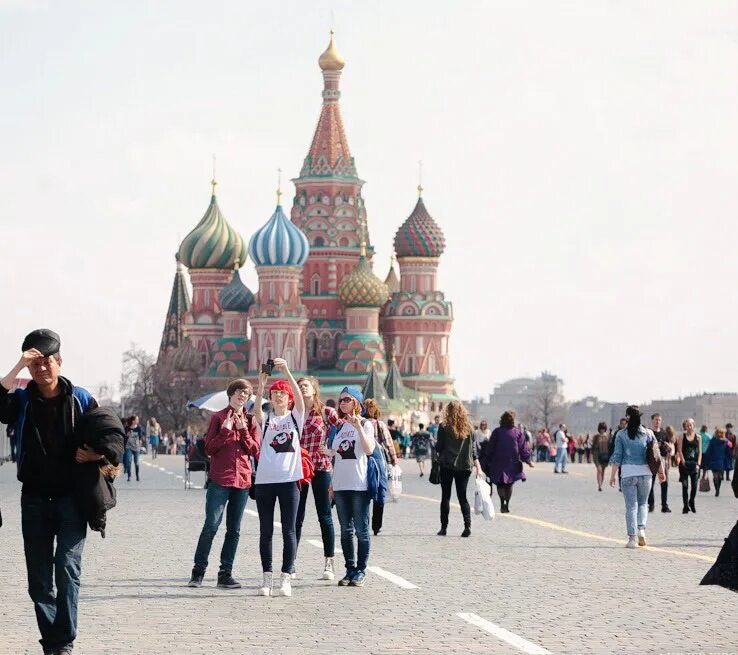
268,367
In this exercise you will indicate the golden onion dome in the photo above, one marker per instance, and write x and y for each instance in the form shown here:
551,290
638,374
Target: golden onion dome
331,59
361,288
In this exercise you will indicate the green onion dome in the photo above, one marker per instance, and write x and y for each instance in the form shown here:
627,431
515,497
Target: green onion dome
419,235
361,288
213,243
236,296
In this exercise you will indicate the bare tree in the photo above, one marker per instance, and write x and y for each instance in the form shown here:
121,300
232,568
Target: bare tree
547,407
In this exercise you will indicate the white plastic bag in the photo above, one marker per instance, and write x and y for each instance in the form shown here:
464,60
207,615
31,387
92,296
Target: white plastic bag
395,483
484,493
478,504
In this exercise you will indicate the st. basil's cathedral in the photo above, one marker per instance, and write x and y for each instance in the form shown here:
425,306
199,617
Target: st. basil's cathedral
319,304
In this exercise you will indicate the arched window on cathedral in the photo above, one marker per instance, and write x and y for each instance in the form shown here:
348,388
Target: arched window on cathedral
313,346
315,285
319,242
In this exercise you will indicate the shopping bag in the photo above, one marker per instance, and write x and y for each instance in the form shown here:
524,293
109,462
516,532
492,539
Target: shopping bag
478,504
395,483
705,484
484,491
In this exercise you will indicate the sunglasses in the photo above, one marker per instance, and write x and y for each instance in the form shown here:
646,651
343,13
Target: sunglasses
347,399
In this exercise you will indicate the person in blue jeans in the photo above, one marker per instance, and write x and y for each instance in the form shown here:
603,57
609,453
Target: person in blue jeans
134,440
351,446
629,456
561,444
230,443
45,413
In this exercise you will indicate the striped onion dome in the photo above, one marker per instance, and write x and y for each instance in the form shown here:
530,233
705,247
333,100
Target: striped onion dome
236,296
419,235
186,359
361,288
213,243
279,242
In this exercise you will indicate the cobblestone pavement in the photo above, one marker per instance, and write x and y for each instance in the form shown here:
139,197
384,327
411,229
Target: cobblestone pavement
554,573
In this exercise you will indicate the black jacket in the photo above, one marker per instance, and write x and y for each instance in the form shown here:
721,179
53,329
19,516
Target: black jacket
103,432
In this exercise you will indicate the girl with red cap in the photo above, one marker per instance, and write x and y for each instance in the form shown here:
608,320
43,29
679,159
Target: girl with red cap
279,472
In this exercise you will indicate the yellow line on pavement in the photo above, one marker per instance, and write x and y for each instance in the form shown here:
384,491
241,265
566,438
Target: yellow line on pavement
578,533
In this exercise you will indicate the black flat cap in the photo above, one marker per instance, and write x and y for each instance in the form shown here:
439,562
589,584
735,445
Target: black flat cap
47,342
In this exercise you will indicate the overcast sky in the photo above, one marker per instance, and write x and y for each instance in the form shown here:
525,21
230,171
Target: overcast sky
581,158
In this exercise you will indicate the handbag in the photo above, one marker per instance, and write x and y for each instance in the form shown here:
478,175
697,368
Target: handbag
705,484
653,456
434,477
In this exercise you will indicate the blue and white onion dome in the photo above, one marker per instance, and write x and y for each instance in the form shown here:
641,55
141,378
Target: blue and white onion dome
279,242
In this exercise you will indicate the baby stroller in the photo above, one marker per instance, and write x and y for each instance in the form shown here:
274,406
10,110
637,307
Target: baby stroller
196,459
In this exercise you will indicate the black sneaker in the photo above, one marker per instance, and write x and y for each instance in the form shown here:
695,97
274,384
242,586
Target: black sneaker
441,532
665,509
650,508
226,581
357,579
466,532
196,579
346,579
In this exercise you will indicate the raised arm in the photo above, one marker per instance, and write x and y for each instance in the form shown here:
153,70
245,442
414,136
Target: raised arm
281,364
258,414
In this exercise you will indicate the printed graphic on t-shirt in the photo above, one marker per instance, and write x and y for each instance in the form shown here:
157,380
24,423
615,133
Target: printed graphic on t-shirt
282,443
347,449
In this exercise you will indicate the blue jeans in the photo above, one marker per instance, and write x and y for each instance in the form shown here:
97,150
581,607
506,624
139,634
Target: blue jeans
635,493
320,483
216,499
560,464
353,515
44,519
129,455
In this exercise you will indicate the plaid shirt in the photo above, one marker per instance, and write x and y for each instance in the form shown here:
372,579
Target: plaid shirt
313,434
384,439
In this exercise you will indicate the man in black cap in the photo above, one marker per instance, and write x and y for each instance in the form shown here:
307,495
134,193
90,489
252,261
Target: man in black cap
45,414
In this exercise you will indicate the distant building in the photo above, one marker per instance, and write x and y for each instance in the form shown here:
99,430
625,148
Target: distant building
583,416
710,409
522,395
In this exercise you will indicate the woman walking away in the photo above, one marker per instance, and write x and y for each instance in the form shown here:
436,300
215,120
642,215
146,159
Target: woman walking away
318,420
134,439
279,472
503,458
718,457
153,432
421,444
384,439
456,458
601,453
689,460
352,445
631,444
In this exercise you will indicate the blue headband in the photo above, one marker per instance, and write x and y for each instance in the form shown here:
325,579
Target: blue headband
354,393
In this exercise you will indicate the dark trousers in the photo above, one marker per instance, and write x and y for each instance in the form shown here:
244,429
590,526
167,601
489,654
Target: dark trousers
541,453
377,516
688,474
461,478
218,500
43,520
353,515
504,491
664,493
267,495
319,484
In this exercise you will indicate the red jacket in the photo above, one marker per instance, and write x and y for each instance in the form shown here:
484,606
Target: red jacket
231,450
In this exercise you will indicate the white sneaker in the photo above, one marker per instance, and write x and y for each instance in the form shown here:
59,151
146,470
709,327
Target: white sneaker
293,575
631,542
328,573
266,585
285,586
641,536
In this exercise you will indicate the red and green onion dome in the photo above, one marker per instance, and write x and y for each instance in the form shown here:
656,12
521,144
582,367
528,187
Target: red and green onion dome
419,235
236,296
361,288
213,243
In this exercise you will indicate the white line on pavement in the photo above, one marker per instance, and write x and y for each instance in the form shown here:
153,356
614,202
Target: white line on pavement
505,635
170,472
396,579
315,542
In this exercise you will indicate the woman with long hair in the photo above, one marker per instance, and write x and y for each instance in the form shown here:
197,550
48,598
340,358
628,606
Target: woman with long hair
689,460
153,432
134,439
601,452
456,458
384,439
630,456
481,436
279,472
503,458
352,446
318,421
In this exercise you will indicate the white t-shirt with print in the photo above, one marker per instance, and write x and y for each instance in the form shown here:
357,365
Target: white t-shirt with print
280,459
350,465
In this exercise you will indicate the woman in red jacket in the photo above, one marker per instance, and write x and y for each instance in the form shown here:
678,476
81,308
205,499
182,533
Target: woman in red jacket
230,443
